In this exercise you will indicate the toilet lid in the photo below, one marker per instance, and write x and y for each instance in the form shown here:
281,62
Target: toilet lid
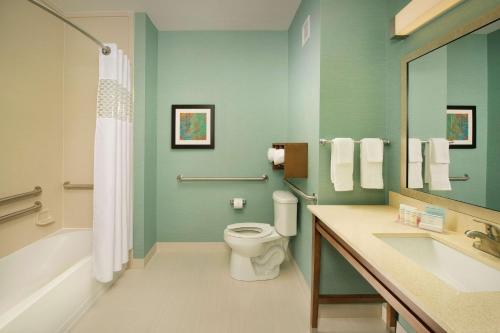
249,230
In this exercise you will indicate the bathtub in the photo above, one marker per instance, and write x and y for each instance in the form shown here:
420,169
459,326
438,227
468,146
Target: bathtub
47,285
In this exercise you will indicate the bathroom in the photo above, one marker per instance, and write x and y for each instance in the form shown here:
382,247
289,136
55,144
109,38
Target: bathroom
282,74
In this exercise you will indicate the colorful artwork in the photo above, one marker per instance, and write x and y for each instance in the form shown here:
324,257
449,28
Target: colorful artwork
193,126
457,126
461,126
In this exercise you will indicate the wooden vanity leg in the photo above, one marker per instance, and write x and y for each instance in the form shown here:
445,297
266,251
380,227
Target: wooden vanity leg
316,259
390,316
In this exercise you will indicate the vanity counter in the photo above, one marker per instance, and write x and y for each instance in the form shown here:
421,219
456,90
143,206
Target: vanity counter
356,226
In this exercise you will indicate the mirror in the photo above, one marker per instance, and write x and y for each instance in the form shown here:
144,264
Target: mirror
454,94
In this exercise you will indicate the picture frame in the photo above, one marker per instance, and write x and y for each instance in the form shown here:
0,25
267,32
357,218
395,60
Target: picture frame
461,126
193,126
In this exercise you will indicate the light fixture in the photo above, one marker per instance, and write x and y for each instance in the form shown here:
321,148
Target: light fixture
419,12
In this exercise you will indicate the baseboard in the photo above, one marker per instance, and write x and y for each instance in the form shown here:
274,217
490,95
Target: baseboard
138,263
165,246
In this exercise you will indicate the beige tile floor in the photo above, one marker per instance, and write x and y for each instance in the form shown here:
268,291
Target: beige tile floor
187,289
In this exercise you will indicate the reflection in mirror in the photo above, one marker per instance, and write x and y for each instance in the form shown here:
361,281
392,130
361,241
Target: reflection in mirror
454,95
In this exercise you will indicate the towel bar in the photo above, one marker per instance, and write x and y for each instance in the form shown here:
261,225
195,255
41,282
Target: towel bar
35,208
325,141
36,191
181,178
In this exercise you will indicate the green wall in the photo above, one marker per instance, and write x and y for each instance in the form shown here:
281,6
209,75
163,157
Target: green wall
245,74
493,161
303,117
145,159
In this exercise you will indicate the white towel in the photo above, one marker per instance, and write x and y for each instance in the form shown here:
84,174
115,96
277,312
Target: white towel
372,157
437,165
415,163
342,164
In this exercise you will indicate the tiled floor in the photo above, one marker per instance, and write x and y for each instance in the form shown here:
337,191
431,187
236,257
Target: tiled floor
187,289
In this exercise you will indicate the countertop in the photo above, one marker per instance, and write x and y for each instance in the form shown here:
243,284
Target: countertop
453,310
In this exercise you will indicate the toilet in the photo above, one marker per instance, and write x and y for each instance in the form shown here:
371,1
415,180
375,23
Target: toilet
258,249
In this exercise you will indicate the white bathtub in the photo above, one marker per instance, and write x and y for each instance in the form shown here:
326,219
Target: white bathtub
46,286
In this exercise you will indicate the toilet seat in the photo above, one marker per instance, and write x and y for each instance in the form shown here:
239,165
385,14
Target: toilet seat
249,230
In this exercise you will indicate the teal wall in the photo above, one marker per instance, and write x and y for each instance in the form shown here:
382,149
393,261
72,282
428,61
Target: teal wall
303,117
245,74
467,79
493,173
145,158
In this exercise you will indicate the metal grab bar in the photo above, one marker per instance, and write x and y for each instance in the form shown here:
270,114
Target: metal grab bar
68,186
325,141
463,178
181,178
36,191
104,49
35,208
313,197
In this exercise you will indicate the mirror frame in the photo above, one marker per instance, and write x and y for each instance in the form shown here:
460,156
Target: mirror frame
462,207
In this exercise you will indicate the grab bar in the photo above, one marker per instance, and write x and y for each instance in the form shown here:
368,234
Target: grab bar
325,141
463,178
181,178
67,185
35,208
313,197
36,191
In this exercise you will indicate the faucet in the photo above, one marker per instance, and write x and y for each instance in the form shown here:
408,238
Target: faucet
488,242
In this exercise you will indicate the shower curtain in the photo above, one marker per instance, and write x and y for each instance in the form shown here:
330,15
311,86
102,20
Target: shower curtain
112,233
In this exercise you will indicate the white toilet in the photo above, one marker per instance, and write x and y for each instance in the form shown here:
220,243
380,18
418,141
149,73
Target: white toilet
258,249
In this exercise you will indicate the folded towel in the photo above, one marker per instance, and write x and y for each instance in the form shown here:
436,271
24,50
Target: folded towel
437,165
415,163
414,150
342,164
372,156
440,150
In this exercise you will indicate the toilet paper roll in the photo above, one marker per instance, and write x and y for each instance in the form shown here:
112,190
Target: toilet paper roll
238,203
270,154
279,156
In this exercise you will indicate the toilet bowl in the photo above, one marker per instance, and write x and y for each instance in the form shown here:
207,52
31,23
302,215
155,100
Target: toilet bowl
258,249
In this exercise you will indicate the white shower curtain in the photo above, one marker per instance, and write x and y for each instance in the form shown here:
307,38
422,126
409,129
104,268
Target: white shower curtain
112,234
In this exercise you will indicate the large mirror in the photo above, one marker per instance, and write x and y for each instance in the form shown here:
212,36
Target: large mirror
453,93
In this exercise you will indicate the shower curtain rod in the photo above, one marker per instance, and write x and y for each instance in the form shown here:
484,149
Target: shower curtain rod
104,49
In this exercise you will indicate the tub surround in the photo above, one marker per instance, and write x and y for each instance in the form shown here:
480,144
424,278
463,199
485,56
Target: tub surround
452,310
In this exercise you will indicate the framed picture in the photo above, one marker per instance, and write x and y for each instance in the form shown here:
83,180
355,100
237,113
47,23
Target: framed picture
461,126
193,126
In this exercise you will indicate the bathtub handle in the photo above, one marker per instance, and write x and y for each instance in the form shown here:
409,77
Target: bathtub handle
30,210
36,191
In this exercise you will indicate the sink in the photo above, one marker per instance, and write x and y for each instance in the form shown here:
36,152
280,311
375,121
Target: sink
453,267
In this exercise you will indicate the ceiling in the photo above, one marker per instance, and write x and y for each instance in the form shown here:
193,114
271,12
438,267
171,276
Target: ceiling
198,14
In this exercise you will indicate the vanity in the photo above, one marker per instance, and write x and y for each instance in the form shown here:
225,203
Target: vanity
457,298
439,282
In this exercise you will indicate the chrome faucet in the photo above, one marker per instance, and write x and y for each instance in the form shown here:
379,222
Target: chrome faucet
488,242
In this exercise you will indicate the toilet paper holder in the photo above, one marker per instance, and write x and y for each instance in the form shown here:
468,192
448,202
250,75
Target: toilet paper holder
231,202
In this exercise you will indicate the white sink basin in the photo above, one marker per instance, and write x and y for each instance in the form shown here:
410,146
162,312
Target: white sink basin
453,267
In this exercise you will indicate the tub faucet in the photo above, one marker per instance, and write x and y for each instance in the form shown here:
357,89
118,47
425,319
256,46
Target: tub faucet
488,242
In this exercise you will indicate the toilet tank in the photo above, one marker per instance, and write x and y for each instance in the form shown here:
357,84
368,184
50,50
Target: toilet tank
285,213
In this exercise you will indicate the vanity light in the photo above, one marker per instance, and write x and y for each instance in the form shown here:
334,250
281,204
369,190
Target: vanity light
419,12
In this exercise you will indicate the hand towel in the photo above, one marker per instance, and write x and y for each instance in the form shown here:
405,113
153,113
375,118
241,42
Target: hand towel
415,163
342,164
440,152
438,164
372,157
